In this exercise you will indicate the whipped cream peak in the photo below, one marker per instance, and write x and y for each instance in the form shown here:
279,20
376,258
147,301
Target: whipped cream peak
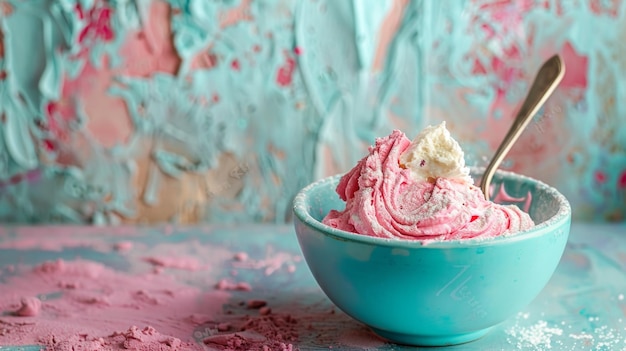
435,154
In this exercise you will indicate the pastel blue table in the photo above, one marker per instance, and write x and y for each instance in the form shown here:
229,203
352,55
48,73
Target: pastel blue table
582,308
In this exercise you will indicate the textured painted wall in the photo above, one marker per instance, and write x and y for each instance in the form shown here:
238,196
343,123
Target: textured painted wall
126,111
481,62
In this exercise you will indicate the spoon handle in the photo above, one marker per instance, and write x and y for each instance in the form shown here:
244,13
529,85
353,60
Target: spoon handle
549,76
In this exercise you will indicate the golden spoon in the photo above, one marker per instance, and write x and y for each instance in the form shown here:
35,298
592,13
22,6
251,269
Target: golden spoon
549,76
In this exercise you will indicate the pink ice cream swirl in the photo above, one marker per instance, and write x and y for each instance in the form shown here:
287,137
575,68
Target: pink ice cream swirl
383,200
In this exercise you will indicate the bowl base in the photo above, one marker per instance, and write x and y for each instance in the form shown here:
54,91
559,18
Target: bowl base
430,340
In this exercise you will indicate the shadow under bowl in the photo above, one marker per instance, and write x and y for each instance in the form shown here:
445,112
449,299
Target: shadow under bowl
442,293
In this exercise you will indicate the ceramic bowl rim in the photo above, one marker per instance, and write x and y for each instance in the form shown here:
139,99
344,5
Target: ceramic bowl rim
562,215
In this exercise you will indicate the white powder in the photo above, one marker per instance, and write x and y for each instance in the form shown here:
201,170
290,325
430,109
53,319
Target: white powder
608,339
538,336
542,336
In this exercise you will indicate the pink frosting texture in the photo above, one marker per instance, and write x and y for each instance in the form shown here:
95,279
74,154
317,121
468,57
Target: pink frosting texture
383,200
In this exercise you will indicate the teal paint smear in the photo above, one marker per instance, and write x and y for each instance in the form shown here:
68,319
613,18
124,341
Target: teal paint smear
35,73
403,76
368,17
194,28
353,110
51,76
25,25
131,14
266,110
5,159
20,96
173,115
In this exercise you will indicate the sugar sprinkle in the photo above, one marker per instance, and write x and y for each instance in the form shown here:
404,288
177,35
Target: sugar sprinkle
543,335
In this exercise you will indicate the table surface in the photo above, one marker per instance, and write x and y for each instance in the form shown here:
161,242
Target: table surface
582,307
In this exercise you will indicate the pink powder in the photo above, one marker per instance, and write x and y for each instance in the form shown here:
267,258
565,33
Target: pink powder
273,262
123,246
222,327
83,301
185,263
192,261
229,285
30,307
256,303
256,333
57,238
241,256
361,338
85,305
284,329
146,339
35,243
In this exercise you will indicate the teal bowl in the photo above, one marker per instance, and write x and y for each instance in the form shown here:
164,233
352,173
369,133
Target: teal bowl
442,293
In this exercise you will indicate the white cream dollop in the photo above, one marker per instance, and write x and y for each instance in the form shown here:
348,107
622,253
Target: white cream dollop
435,154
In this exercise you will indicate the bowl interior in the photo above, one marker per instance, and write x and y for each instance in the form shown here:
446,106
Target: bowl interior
545,205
